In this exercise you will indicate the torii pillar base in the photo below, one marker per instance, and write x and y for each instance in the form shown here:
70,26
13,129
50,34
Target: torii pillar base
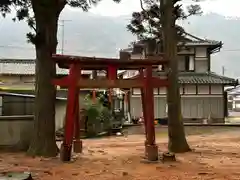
151,152
145,145
65,153
77,146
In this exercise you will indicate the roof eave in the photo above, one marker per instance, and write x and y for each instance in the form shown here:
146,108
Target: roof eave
216,47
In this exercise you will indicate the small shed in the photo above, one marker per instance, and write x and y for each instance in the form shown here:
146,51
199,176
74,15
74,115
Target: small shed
16,104
16,119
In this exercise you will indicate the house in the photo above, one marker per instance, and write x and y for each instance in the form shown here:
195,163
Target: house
233,95
202,91
16,119
18,76
16,104
20,73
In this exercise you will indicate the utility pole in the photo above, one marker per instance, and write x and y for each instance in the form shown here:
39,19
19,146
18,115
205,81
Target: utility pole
223,70
63,34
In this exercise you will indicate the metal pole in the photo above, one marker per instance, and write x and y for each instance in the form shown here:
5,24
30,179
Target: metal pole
63,34
223,70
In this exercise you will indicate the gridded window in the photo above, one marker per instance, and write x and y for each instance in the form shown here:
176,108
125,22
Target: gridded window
189,63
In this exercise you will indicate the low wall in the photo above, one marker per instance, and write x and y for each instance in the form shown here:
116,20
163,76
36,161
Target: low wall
201,121
15,132
163,121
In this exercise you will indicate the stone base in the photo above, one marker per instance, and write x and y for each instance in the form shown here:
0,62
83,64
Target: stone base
65,153
168,157
151,152
145,144
77,146
16,175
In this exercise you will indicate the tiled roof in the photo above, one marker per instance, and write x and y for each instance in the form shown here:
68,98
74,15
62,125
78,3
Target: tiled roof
193,40
198,78
205,78
202,78
23,67
188,40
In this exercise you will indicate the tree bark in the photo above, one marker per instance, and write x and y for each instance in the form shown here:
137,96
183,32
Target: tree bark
177,140
46,16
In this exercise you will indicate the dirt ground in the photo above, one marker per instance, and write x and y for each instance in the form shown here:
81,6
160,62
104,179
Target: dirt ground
215,156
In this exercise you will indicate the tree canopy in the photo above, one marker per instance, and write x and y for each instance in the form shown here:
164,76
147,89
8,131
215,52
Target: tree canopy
7,5
147,24
157,21
23,9
42,16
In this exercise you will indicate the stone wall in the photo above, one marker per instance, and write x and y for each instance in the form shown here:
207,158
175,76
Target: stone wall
15,132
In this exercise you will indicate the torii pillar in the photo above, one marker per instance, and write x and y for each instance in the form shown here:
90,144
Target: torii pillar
151,149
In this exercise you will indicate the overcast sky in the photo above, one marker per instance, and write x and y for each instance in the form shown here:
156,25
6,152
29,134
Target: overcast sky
224,7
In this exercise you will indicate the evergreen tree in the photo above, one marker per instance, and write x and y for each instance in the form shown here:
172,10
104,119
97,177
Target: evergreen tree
42,16
157,21
148,23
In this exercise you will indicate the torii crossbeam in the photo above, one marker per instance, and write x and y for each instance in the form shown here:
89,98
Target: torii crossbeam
74,83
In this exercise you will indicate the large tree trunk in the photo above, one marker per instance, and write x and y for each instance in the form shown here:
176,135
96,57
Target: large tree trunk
177,140
43,142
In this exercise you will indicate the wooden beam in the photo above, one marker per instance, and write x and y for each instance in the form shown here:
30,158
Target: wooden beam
104,67
159,82
119,83
63,82
105,83
92,63
87,58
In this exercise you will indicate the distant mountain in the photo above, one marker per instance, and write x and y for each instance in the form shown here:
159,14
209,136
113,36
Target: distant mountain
94,35
84,34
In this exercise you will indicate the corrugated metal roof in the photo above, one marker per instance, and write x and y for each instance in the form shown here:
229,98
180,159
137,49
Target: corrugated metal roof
25,95
22,66
25,67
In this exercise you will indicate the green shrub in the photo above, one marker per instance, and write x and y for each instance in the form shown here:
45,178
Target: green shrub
98,117
93,123
106,118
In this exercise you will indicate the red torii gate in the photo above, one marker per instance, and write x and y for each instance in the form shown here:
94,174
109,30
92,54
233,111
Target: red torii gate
74,83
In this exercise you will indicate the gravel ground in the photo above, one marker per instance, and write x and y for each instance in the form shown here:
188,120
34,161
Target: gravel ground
215,155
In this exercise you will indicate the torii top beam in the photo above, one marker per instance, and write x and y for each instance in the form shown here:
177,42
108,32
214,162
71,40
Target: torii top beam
95,63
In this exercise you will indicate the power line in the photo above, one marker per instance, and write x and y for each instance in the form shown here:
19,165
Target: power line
230,50
70,49
62,48
16,47
84,52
